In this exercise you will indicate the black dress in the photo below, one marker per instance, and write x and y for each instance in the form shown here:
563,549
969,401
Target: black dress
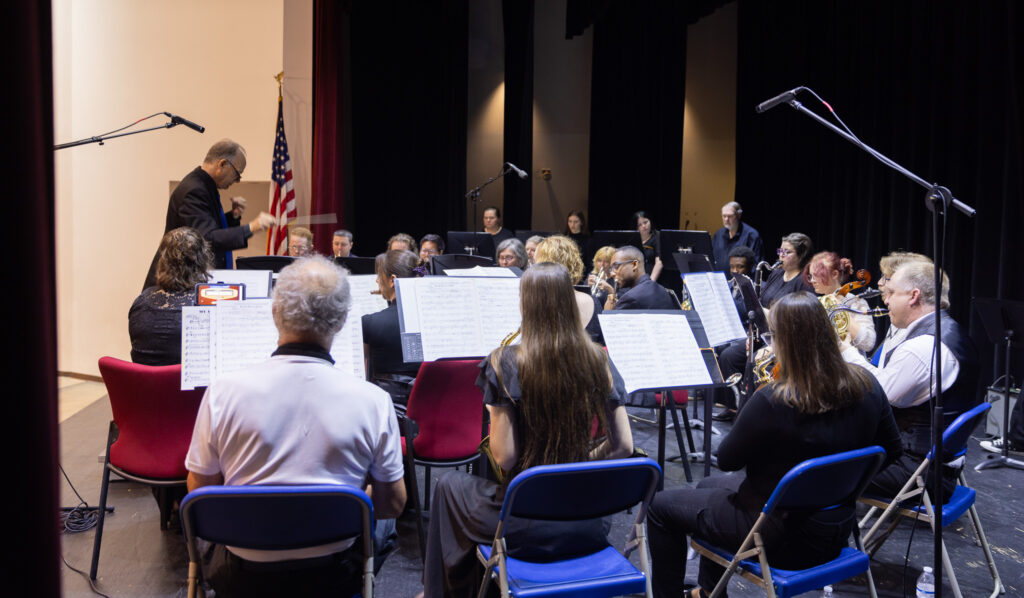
465,508
768,438
776,286
154,326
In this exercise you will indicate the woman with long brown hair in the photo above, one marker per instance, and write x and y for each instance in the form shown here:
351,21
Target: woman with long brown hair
543,396
818,405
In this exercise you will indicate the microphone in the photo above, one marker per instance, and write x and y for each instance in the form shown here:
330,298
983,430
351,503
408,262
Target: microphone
177,120
779,99
520,172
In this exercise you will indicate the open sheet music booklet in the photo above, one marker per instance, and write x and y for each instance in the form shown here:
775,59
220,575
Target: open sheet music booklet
712,300
234,335
659,349
443,317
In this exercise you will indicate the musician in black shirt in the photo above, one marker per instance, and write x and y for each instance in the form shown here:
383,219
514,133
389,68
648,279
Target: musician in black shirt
382,335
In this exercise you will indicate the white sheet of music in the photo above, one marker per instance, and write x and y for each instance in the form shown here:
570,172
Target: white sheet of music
480,271
347,349
712,299
257,282
459,317
246,335
195,346
654,351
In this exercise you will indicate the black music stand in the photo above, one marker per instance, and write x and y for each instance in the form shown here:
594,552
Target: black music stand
470,243
616,238
357,265
1003,320
692,262
675,242
523,235
263,262
458,261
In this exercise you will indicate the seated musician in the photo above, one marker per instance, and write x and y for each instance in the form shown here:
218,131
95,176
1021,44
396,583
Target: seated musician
600,277
531,247
300,241
492,225
815,407
906,370
888,265
297,419
430,245
511,253
154,319
563,250
741,261
557,365
827,273
787,277
382,336
403,242
636,290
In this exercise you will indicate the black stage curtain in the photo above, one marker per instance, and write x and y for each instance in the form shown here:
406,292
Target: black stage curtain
409,65
936,86
517,20
636,111
33,559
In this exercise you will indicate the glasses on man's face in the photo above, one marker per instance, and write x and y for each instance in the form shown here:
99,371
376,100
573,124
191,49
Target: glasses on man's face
616,265
783,252
238,173
883,280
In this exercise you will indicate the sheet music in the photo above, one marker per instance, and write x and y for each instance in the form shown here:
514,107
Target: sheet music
195,346
654,351
712,299
246,335
257,282
456,317
480,271
347,348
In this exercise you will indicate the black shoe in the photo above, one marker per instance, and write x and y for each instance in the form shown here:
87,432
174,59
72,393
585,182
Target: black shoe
726,415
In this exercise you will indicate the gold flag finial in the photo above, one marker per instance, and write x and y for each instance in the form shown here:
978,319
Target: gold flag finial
280,80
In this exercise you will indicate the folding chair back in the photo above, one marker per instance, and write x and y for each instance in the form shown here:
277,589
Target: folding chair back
957,433
826,482
573,492
277,518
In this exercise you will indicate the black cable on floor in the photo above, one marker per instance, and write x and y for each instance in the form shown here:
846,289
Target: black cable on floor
92,584
81,517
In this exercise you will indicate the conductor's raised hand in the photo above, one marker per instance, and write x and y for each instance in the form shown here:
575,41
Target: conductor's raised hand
264,220
238,204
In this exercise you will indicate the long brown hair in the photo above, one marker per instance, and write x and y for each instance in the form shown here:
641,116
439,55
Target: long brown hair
563,376
812,377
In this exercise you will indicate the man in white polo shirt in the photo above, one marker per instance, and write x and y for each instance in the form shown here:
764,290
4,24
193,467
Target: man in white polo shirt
296,419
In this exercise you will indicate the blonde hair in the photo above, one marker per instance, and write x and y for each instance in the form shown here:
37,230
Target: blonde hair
561,250
890,263
301,232
605,254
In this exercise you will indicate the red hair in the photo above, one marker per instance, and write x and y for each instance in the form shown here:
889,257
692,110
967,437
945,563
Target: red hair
822,265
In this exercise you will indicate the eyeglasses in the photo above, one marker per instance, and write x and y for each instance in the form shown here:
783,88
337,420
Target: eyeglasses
884,280
238,173
783,252
616,265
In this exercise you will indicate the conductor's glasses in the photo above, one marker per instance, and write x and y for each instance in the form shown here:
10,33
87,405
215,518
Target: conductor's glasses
238,173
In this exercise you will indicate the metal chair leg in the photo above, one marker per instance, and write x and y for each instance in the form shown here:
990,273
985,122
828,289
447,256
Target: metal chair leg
103,506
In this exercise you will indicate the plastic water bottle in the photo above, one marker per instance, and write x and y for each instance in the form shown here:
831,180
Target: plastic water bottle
926,584
826,592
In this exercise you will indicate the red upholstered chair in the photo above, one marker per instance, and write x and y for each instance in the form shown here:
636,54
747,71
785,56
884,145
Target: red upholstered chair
150,433
447,407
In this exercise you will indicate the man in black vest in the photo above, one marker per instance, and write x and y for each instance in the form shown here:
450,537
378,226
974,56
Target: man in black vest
636,289
195,202
906,371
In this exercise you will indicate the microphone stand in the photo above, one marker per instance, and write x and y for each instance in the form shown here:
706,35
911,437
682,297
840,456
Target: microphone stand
101,138
474,194
938,199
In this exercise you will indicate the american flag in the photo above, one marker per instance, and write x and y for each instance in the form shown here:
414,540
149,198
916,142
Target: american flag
282,194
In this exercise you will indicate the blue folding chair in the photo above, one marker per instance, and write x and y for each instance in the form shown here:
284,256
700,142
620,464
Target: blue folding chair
817,484
574,492
277,518
954,447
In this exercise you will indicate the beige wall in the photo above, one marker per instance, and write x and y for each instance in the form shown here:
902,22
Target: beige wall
709,120
119,60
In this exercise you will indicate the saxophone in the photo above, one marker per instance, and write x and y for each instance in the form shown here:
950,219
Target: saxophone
511,336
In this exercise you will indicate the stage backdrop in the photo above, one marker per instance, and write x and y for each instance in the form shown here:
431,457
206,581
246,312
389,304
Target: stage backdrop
936,86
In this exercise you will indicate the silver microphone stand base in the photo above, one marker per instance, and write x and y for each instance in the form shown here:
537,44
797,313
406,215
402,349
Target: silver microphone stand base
999,461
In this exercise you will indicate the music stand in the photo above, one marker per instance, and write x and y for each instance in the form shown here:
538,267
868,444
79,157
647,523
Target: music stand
263,262
1003,320
616,238
471,243
692,262
358,265
458,261
674,242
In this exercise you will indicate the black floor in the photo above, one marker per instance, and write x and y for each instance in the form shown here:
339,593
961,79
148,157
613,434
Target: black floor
140,560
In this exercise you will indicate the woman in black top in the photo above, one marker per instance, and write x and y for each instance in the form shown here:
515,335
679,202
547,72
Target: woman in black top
818,405
794,254
542,396
154,319
382,335
650,242
576,229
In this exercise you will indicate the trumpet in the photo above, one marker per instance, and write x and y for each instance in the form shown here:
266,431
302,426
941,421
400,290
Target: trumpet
601,277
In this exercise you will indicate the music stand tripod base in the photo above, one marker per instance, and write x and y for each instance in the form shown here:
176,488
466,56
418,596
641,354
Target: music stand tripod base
999,461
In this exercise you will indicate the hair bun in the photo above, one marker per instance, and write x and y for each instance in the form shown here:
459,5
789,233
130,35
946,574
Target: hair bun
846,266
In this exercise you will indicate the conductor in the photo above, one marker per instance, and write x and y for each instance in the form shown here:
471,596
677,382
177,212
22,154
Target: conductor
195,203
